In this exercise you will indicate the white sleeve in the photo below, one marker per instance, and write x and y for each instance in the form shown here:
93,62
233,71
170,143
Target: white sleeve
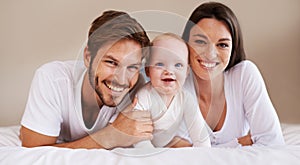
143,104
195,122
42,113
264,123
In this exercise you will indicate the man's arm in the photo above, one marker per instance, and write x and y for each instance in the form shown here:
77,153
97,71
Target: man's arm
30,138
129,128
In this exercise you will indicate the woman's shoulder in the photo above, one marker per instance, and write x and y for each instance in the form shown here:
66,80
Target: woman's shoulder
245,73
245,64
245,67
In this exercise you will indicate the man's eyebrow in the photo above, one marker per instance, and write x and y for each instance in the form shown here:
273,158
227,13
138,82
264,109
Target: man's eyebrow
114,59
110,57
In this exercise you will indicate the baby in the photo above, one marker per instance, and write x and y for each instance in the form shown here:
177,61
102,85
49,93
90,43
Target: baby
170,106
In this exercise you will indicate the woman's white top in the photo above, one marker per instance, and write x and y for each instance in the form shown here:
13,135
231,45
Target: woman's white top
249,108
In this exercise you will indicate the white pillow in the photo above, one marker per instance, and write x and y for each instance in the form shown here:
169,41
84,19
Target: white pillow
291,133
9,136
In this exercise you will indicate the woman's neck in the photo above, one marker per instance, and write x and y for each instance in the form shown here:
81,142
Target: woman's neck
208,89
212,102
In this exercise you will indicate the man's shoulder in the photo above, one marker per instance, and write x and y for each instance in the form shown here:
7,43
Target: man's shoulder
57,69
58,65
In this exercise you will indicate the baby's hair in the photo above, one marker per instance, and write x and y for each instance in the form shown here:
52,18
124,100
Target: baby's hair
166,36
160,37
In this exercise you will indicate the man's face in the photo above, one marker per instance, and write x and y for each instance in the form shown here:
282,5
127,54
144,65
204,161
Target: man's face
115,71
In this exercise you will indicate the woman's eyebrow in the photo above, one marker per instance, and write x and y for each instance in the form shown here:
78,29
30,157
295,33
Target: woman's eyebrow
200,35
205,37
225,39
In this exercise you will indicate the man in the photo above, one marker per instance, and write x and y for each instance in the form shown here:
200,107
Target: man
71,103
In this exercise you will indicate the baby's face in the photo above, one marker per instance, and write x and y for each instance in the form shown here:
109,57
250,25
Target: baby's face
168,66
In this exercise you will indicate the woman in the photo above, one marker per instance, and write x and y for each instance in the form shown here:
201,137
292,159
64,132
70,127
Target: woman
230,89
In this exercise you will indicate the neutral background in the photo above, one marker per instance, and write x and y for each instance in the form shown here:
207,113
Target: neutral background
33,32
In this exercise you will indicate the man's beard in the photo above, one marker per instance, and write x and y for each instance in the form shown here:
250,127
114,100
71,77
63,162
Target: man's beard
111,101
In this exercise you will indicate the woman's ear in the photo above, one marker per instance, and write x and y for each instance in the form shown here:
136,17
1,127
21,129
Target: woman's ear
87,57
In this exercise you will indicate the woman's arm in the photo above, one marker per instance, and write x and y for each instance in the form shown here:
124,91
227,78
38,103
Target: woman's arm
264,123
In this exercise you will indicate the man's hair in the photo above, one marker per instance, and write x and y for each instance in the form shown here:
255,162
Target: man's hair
113,26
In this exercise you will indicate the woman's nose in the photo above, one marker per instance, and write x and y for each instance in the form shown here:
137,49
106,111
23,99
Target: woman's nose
211,52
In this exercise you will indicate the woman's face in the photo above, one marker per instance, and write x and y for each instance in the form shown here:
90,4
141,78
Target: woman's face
210,44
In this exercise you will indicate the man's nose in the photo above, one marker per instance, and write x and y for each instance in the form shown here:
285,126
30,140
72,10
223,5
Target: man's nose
120,76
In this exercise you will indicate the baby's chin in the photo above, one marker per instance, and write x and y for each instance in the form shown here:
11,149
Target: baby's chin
168,90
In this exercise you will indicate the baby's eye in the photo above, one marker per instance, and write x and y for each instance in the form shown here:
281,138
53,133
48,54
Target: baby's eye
159,64
179,65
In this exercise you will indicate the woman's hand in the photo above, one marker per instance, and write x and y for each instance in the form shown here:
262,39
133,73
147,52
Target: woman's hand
245,140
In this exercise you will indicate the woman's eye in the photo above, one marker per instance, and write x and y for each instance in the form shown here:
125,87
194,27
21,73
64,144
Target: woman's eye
223,45
178,65
201,42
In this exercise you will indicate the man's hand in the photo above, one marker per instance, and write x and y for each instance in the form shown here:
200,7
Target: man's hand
245,140
129,128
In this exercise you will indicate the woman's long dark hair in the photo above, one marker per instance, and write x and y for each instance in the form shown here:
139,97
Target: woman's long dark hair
222,13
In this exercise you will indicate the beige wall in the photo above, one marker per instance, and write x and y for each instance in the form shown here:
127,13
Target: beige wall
34,32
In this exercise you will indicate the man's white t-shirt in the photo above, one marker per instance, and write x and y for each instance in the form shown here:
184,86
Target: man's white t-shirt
54,103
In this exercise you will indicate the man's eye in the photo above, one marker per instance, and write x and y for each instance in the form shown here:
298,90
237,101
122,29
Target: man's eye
110,62
179,65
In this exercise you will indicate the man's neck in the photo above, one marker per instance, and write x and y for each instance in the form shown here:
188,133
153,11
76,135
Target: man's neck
89,97
89,103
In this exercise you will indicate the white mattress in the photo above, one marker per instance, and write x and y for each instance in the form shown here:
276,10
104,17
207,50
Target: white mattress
12,153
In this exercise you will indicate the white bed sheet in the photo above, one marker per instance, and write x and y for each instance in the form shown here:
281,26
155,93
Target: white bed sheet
12,153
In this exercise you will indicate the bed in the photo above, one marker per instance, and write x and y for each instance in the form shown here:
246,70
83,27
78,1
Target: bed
11,152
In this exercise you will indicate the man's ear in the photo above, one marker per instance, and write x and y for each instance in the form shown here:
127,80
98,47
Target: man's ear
87,57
